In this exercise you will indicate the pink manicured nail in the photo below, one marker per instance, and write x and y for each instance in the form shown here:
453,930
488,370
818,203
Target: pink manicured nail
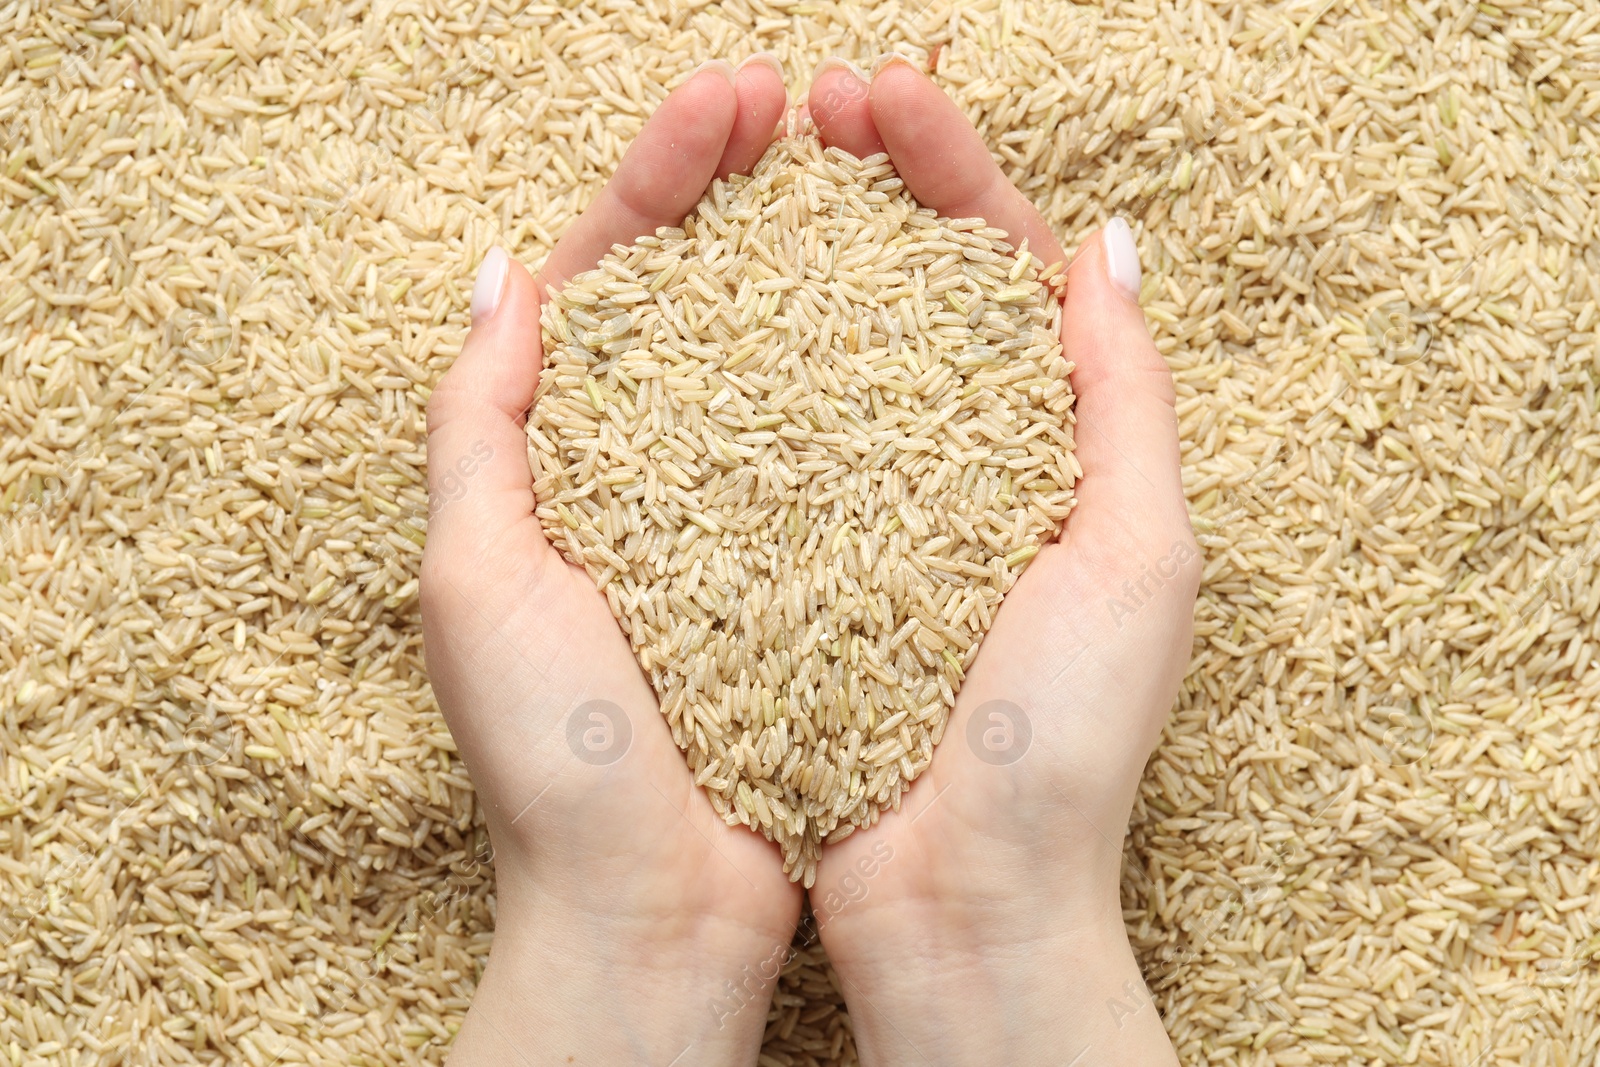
490,286
840,63
1122,258
884,59
770,61
722,67
766,59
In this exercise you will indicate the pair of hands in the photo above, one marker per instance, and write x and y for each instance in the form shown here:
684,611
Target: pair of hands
981,923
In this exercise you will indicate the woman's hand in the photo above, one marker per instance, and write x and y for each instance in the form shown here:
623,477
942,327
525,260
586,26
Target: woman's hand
634,925
982,923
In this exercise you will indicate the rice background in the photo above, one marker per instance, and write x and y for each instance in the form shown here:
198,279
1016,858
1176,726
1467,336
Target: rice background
238,242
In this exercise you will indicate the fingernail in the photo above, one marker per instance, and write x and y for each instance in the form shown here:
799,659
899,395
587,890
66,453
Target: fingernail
888,58
721,66
1122,258
840,63
766,59
490,286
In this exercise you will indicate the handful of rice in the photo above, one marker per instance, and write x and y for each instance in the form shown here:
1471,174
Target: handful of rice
805,443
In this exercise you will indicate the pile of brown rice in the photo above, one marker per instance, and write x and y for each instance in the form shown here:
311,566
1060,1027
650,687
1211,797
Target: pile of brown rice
804,444
235,248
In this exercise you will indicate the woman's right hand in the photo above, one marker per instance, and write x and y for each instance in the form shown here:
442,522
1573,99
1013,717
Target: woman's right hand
982,922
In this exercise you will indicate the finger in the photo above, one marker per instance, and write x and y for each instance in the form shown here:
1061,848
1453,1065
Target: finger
945,163
761,100
839,106
478,480
479,484
662,177
1127,425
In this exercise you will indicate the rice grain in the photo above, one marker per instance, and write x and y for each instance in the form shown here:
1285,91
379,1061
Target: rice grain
1369,834
803,491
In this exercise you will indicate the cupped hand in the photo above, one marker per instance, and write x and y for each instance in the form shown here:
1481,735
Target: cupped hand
981,923
631,917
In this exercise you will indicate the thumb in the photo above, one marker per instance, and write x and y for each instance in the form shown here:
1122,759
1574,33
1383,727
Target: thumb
1126,437
479,484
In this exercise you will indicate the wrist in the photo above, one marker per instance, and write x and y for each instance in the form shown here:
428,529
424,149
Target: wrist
1031,991
605,988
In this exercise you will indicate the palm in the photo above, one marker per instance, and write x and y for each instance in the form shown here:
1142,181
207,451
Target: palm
572,754
1033,767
